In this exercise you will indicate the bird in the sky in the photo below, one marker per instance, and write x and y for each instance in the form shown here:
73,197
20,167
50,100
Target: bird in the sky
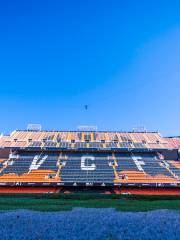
86,107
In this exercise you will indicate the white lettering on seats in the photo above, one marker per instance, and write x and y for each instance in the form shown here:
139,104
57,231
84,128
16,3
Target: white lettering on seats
91,166
138,163
37,162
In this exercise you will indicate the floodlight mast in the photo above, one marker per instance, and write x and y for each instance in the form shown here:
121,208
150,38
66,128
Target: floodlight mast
87,128
139,129
34,127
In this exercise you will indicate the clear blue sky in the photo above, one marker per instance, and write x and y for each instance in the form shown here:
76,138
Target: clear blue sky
122,58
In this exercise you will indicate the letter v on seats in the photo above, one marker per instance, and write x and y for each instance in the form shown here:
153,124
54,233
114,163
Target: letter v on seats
37,162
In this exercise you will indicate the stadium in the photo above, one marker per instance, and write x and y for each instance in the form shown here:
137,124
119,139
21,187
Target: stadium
36,161
103,79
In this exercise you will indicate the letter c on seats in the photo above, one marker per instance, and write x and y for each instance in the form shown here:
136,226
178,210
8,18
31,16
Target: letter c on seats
90,167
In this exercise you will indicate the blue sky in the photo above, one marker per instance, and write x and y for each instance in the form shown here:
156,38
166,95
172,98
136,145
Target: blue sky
122,58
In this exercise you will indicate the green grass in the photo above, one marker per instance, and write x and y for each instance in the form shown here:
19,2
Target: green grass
62,202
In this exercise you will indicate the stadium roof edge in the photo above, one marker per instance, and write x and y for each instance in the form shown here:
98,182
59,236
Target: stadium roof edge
173,137
88,131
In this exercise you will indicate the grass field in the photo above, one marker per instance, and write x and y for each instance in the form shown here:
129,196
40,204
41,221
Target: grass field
60,202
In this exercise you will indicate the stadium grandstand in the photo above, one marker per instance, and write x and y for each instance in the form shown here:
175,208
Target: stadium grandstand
122,162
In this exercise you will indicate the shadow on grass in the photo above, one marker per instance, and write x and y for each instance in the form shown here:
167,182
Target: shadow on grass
62,202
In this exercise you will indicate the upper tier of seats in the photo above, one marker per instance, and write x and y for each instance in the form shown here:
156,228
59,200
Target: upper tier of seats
86,167
174,142
77,140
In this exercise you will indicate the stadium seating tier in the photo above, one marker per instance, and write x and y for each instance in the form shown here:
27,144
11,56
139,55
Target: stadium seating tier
77,140
86,167
77,157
